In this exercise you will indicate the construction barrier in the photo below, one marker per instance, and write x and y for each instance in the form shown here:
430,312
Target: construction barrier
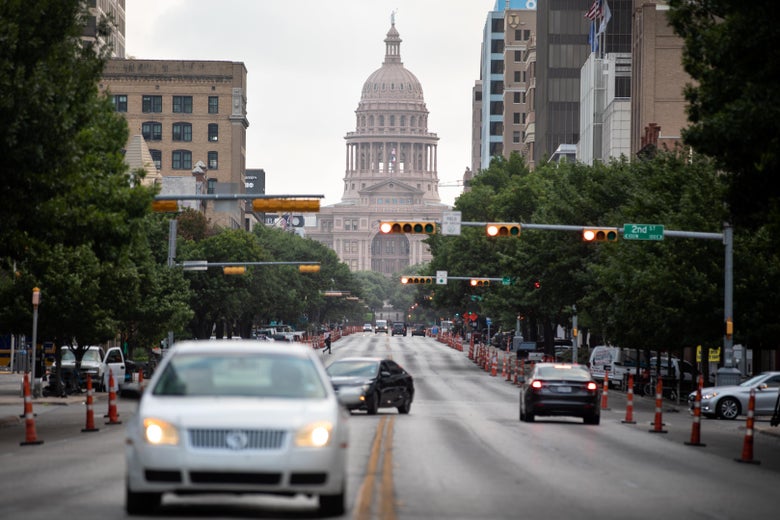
747,445
90,426
696,425
659,403
630,402
30,437
113,415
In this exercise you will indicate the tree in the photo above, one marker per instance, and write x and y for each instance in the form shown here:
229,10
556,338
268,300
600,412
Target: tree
732,52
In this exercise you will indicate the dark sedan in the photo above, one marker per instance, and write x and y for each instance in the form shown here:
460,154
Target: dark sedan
560,389
368,383
418,330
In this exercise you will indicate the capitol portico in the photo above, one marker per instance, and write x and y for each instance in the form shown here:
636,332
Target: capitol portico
390,173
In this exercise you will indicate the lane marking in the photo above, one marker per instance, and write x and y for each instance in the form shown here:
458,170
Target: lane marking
380,459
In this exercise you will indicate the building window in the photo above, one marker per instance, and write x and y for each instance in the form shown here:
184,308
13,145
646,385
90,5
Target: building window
516,137
213,104
182,132
516,118
151,131
182,104
120,102
213,160
517,76
211,186
157,158
516,97
350,224
181,160
151,104
213,132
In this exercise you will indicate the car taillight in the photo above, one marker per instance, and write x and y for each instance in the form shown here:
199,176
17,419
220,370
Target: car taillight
536,385
592,387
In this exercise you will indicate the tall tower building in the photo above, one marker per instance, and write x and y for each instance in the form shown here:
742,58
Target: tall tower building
106,25
503,98
390,172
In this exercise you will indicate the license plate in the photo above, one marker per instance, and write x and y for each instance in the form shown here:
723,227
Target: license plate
564,389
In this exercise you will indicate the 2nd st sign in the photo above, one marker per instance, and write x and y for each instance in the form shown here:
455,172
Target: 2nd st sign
643,232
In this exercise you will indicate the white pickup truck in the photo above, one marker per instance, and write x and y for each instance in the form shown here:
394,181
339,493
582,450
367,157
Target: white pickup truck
97,362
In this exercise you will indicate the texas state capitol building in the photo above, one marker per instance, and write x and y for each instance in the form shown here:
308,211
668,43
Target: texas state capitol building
390,173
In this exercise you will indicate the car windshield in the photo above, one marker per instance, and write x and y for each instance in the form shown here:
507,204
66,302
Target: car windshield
753,381
241,375
353,369
89,356
561,372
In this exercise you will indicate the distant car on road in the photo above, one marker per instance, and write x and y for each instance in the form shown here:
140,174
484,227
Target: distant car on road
367,327
236,417
418,330
729,402
399,328
369,383
560,389
381,326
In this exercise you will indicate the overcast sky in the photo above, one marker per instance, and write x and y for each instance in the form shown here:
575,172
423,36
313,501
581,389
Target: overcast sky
306,62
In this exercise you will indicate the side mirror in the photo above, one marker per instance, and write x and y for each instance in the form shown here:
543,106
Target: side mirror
384,373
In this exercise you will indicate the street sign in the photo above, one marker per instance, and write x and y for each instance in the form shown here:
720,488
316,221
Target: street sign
441,277
506,281
450,223
643,232
195,265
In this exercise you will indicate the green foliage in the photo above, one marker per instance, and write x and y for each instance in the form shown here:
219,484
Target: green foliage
731,51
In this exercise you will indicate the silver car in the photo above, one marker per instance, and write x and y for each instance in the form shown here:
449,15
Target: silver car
235,417
728,402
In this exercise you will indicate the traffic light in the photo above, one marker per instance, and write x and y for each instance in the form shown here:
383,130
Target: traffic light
165,206
479,282
418,279
537,284
600,234
309,268
422,226
502,229
283,205
239,269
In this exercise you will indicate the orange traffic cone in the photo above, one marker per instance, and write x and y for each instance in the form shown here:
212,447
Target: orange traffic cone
659,403
630,401
30,437
90,426
141,378
494,366
605,392
696,425
747,446
113,416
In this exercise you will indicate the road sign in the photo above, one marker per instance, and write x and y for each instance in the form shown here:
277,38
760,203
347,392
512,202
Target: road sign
195,265
506,281
450,223
643,232
441,277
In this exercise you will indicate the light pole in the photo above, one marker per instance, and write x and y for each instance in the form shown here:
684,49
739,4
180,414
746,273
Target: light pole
36,299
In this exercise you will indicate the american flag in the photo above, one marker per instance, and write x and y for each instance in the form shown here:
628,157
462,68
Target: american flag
594,11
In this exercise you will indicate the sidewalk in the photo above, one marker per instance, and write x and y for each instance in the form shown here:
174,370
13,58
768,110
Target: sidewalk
12,400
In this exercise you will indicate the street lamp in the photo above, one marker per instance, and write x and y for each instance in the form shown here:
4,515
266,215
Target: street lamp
36,300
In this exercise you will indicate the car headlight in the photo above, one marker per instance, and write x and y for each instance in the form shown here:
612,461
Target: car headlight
159,432
315,435
708,395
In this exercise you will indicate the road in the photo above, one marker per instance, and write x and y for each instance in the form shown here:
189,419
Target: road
460,454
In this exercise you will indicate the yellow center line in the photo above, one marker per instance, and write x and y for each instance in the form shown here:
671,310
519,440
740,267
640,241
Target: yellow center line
383,457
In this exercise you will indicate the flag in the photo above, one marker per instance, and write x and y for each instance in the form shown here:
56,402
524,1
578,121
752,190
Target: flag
606,19
594,11
592,40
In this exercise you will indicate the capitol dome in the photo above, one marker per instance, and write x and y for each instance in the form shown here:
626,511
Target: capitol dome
392,80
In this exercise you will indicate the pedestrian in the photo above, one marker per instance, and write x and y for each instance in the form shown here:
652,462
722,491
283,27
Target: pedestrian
327,341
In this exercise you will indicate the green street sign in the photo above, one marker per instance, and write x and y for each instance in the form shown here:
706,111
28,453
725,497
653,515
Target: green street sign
506,281
643,232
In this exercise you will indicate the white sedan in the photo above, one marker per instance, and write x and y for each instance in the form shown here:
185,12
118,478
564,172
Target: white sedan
729,402
237,417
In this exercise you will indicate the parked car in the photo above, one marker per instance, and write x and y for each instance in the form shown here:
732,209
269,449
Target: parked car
560,389
418,330
399,328
367,327
97,363
368,383
237,417
731,401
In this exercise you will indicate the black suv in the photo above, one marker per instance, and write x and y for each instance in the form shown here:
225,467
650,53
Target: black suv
418,330
399,328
